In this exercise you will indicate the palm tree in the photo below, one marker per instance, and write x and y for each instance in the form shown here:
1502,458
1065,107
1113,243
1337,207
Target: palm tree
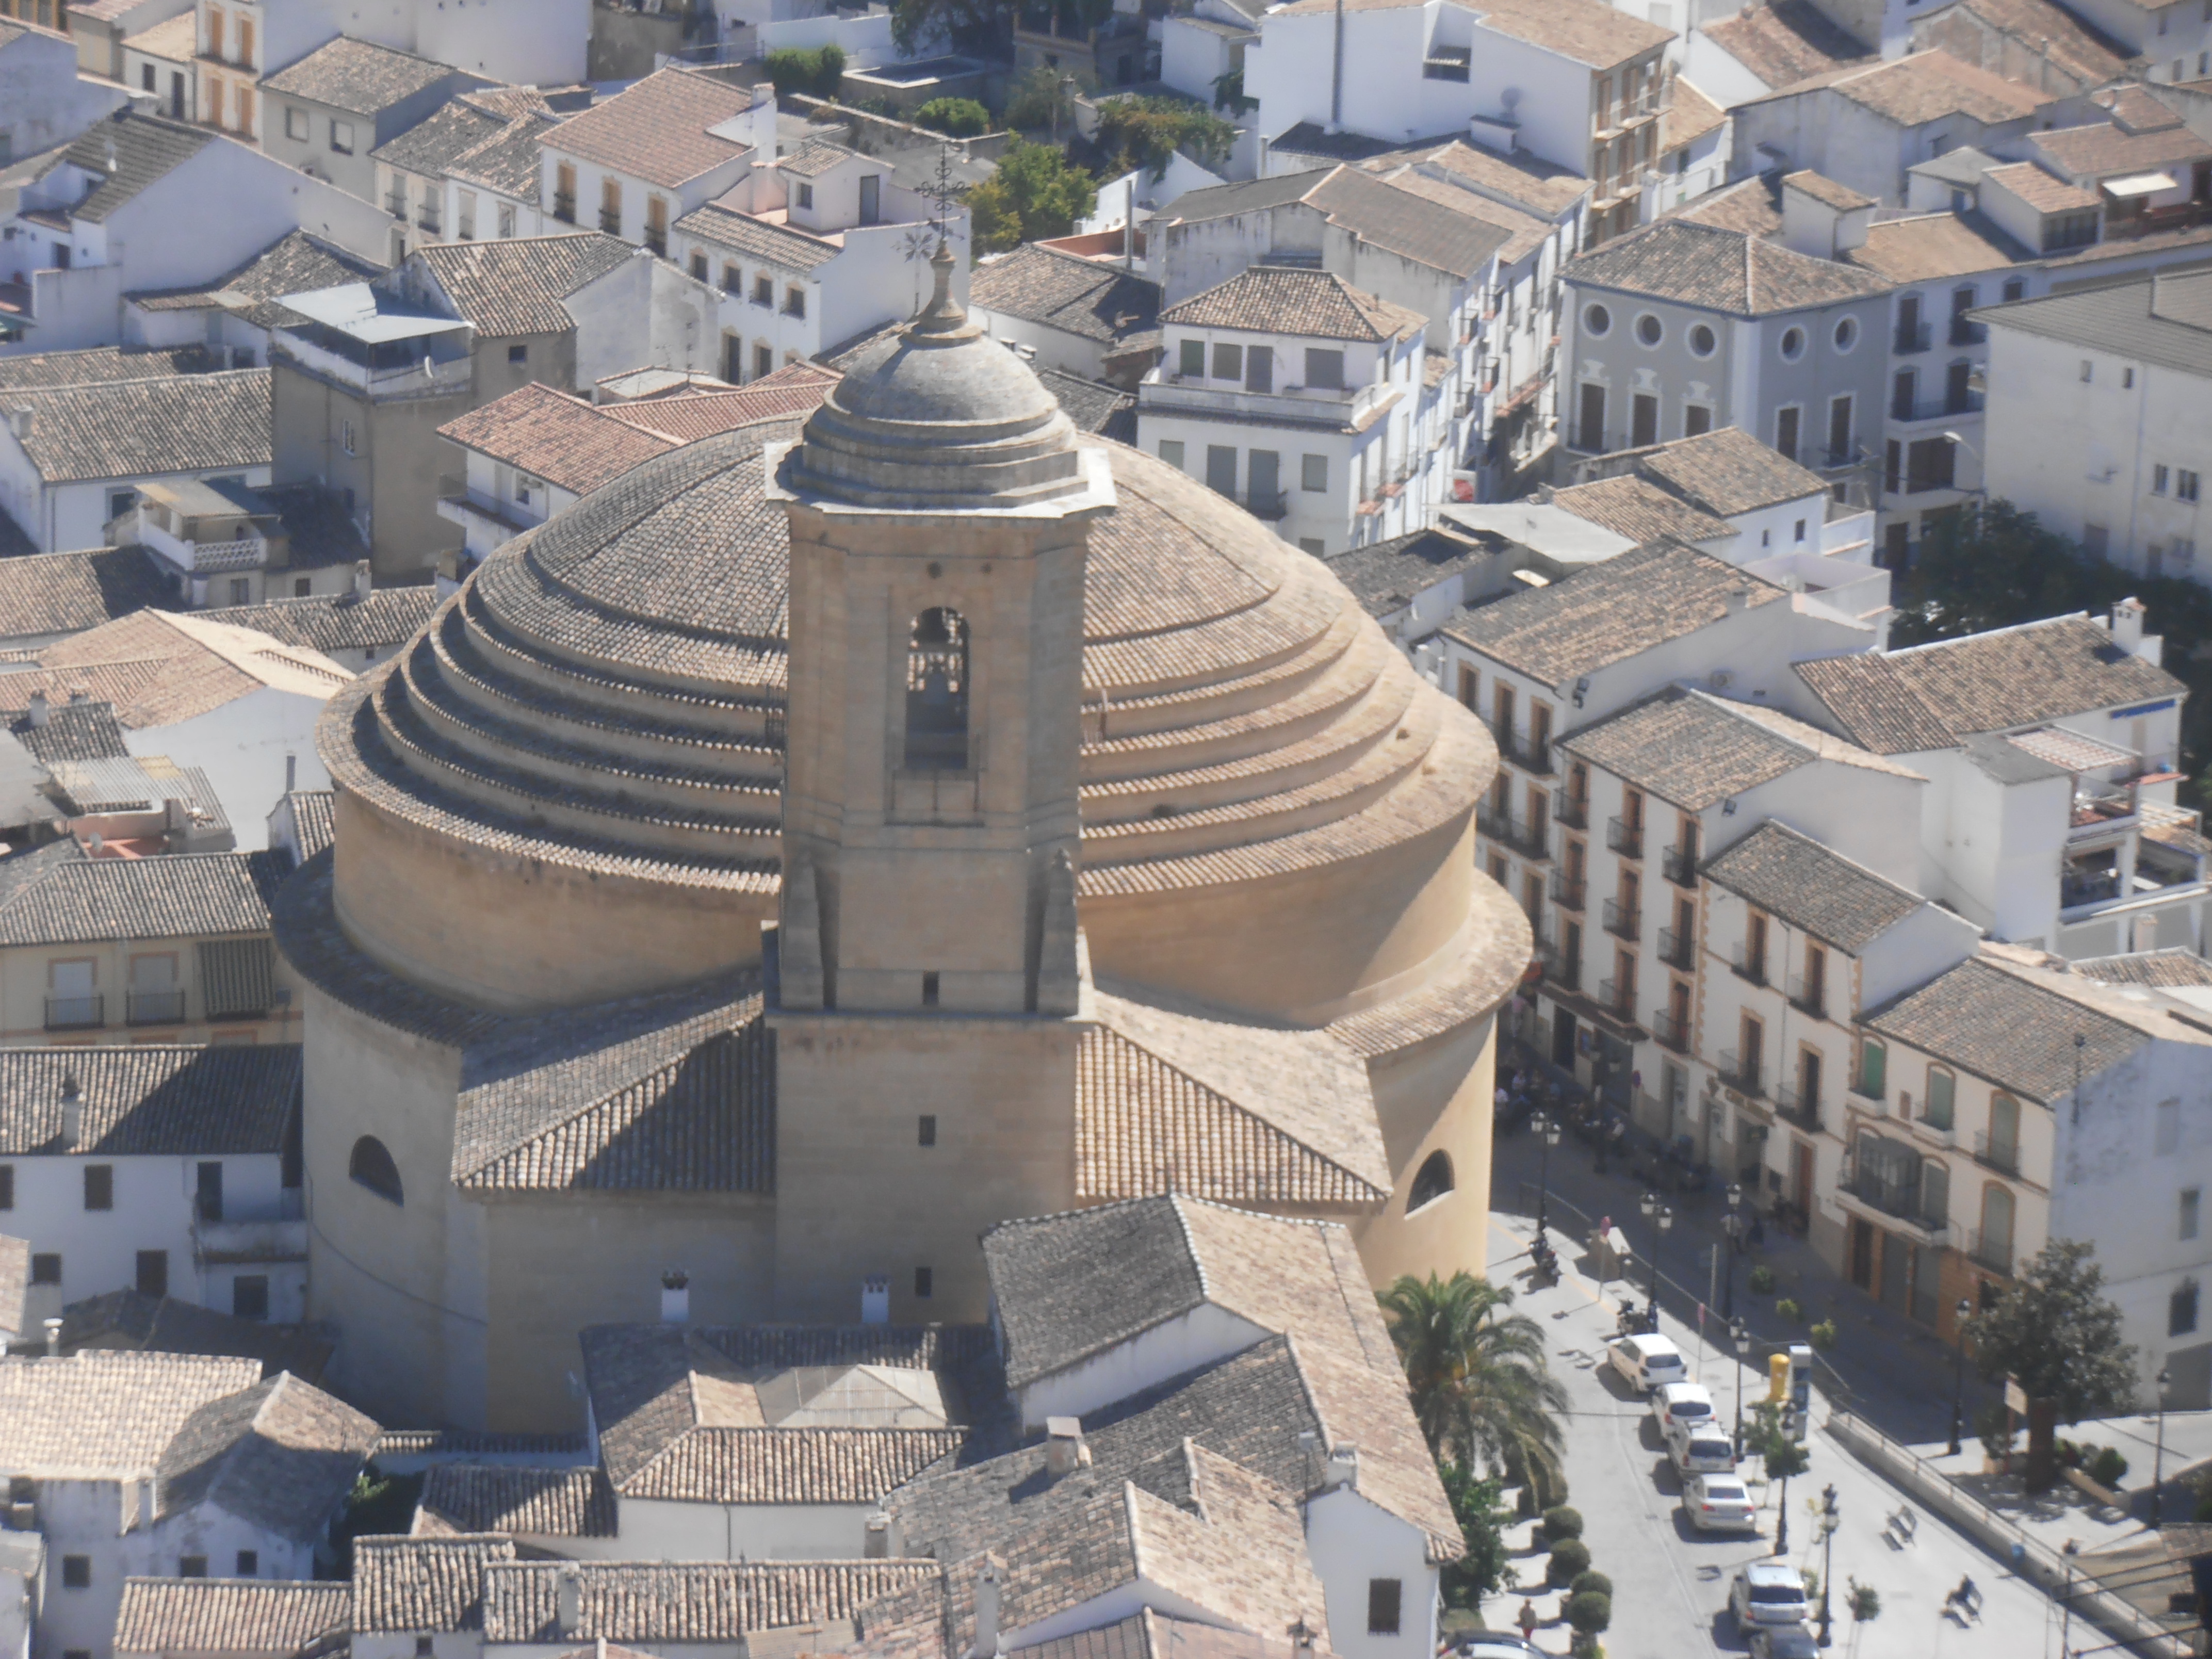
1482,1392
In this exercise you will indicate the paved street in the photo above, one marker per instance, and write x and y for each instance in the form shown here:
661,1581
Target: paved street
1670,1583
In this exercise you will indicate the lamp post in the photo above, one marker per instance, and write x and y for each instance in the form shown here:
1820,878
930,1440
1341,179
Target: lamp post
1740,1339
1830,1520
2158,1468
1732,1225
1661,1218
1548,1134
1965,1311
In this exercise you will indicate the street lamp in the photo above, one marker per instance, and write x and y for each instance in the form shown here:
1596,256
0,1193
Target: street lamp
1965,1311
1732,1225
1547,1133
1740,1337
1830,1520
1661,1218
2158,1468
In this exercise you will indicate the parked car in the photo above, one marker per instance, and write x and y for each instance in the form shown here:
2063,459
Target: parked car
1680,1405
1494,1644
1720,1502
1701,1448
1785,1642
1647,1361
1769,1594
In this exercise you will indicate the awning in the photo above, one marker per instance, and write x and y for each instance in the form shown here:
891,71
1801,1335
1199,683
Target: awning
2141,183
238,977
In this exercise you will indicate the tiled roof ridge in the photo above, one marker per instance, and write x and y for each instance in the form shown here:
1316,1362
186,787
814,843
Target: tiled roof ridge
1988,633
196,376
1190,1246
1780,827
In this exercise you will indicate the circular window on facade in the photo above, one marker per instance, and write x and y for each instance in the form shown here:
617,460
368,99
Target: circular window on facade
1793,344
1847,333
1650,330
1597,319
1702,341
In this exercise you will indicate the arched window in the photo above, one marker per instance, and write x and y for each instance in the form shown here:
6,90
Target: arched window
937,693
1431,1182
1942,1091
1993,1248
371,1166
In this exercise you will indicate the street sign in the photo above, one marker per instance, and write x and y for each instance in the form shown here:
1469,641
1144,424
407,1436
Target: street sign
2015,1397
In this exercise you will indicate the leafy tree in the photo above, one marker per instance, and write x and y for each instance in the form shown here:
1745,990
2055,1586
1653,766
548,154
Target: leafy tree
816,70
1146,132
1482,1391
957,117
1482,1521
989,24
1043,101
1229,94
1782,1457
2054,1331
1035,194
1864,1604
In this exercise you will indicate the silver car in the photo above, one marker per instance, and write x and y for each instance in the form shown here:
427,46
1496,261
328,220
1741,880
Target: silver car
1701,1448
1767,1592
1785,1642
1719,1503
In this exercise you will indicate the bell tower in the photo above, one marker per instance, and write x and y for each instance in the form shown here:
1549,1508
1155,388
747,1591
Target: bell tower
925,961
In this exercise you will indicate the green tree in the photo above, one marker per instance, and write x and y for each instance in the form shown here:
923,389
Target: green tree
1482,1521
1781,1455
989,24
1035,194
957,117
1864,1604
1043,101
815,70
1229,94
2055,1333
1482,1391
1146,132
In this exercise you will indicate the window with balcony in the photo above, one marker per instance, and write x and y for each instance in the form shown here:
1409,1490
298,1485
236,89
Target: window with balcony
656,225
610,206
73,999
342,137
764,293
155,996
1999,1146
1937,1104
564,192
1872,1069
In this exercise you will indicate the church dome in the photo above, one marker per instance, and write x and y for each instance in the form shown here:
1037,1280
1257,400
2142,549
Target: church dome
569,787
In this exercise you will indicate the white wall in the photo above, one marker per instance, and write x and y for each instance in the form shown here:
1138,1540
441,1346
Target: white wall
243,747
1351,1541
44,101
656,1531
644,312
1206,1333
527,42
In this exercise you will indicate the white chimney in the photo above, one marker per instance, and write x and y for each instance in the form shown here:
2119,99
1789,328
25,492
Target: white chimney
1064,1450
38,709
987,1610
675,1296
361,579
20,419
53,1338
876,1299
1739,599
146,1502
72,1113
878,1545
1821,217
2128,625
1343,1468
569,1600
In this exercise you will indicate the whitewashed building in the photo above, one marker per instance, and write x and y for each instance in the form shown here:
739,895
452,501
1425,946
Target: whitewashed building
45,99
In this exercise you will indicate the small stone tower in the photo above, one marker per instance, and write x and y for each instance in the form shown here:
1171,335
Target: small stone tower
926,960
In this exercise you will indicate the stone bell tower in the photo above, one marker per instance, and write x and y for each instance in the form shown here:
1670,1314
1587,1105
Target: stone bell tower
927,963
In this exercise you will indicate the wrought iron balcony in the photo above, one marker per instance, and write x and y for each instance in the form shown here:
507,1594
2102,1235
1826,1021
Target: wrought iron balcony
1809,995
154,1007
1529,839
1995,1254
2002,1156
1680,864
1741,1075
1904,341
564,207
1526,749
1800,1107
1572,810
1676,949
76,1013
1623,921
1568,892
1560,970
1625,838
610,221
1751,965
1672,1030
1618,998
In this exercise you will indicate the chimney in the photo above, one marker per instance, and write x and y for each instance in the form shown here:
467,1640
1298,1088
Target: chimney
987,1610
146,1502
1822,217
20,418
675,1296
38,709
878,1545
1343,1468
876,1299
54,1343
2128,625
361,579
569,1600
78,693
1065,1449
72,1112
1738,600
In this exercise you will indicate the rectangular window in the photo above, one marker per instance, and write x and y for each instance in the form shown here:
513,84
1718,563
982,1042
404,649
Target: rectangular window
794,301
1221,469
345,437
466,214
296,120
1171,452
518,353
1935,1109
1228,362
2157,477
207,1194
342,137
925,1284
46,1268
2181,1309
506,222
806,196
249,1299
2192,1200
1697,420
1324,369
2185,485
76,1572
2096,540
1259,369
1385,1603
733,281
249,1563
2014,289
2088,372
925,1130
763,360
929,989
6,1186
154,1274
1785,432
100,1186
1192,360
1313,473
763,290
191,1566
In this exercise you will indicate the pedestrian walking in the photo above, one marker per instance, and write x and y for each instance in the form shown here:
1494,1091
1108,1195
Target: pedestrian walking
1527,1619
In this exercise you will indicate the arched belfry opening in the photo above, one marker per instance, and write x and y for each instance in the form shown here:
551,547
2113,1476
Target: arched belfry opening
937,692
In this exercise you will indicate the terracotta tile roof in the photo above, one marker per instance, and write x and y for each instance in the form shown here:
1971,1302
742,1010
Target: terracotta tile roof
1082,297
229,1615
2088,153
1751,206
1247,195
429,147
1728,471
816,157
1790,875
2178,965
1785,42
1924,86
1694,749
385,617
1544,188
97,1416
174,38
161,667
1070,1287
1149,1635
556,437
777,245
1936,246
412,1584
1585,32
1459,242
1930,696
145,149
2041,190
151,1099
2044,27
1825,190
508,162
655,1602
357,75
73,731
91,364
1524,231
1727,271
1278,300
1093,405
568,1502
69,592
1167,1101
163,1324
1607,611
691,415
656,129
295,263
175,896
311,816
791,1465
143,429
2014,1028
2136,109
516,287
280,1456
1639,510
